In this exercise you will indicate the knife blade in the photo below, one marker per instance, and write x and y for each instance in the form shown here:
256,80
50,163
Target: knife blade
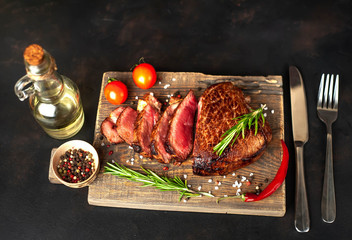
300,137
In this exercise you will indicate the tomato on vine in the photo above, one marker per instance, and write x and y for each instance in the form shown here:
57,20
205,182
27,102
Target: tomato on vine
115,91
144,75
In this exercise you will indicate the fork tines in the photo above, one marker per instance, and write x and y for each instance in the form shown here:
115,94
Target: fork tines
328,93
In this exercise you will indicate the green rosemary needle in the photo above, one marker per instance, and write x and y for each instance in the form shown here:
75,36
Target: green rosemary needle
150,178
244,121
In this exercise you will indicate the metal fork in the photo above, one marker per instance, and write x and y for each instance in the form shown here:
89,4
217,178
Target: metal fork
327,107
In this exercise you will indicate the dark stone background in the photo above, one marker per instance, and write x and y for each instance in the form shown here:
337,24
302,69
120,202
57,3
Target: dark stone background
236,37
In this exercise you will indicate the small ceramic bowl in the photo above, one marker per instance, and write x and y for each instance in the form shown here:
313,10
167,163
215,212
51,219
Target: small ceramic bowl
75,144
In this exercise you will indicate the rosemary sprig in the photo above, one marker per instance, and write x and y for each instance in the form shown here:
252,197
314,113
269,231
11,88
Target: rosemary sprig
151,179
244,121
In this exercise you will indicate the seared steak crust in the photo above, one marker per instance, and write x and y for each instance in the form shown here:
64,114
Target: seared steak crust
217,107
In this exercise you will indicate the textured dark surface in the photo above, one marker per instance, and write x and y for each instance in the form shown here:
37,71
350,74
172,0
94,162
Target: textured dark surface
239,37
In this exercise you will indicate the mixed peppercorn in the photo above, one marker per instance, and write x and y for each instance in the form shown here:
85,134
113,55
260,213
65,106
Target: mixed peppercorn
76,165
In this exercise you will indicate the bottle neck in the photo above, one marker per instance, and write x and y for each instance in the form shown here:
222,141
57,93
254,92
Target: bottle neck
48,84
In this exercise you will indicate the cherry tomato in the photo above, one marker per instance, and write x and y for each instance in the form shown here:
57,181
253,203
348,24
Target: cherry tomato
116,92
144,75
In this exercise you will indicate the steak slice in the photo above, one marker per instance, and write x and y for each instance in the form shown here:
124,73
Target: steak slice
125,124
147,118
115,114
108,126
179,141
218,105
160,131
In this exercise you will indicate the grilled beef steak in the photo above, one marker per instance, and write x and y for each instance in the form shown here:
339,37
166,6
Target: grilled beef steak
125,124
179,141
160,131
108,126
217,107
147,118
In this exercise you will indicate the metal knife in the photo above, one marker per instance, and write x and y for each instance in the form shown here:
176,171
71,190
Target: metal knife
300,137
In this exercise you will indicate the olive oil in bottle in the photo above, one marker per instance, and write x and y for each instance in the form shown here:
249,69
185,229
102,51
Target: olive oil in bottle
53,99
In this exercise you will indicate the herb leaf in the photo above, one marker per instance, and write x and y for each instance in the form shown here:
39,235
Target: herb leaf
244,121
152,179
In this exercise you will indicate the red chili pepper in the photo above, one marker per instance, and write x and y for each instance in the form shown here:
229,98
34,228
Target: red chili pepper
277,181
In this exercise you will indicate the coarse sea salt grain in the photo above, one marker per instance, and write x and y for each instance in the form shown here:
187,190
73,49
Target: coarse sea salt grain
113,161
173,79
265,114
132,163
219,183
189,185
238,192
127,161
199,188
130,147
251,174
233,174
185,176
272,111
166,86
225,195
209,192
237,184
136,97
184,200
140,156
102,144
224,176
210,180
216,187
159,82
243,179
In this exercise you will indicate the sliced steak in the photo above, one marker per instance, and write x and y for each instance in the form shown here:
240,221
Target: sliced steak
160,131
179,141
115,114
125,124
108,126
218,105
147,118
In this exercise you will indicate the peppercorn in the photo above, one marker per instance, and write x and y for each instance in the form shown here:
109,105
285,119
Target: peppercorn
75,165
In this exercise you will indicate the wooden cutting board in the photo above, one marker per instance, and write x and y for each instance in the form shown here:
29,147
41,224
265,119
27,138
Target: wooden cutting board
111,191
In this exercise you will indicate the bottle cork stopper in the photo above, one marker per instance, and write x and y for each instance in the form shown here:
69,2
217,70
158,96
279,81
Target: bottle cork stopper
33,54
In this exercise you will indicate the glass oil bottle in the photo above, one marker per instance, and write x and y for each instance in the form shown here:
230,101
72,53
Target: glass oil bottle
54,99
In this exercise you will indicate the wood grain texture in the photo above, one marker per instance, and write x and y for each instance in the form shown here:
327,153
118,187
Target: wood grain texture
108,190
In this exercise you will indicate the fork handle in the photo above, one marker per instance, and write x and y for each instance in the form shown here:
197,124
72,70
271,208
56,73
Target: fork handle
328,204
302,221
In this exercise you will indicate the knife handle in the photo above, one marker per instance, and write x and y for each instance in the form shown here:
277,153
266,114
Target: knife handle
302,221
